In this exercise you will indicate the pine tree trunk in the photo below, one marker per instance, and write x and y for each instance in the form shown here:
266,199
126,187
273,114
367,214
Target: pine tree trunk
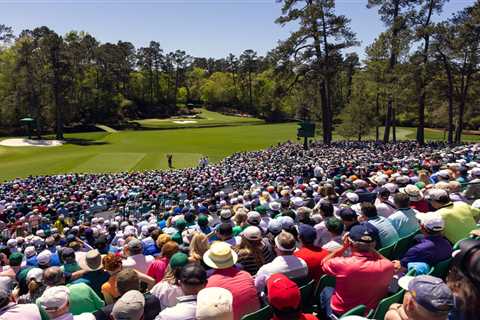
394,126
377,108
388,119
423,80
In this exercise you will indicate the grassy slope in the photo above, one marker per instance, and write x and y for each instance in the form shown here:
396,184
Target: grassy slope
138,150
144,150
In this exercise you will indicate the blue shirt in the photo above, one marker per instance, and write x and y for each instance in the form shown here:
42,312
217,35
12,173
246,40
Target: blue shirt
32,261
431,250
386,232
404,221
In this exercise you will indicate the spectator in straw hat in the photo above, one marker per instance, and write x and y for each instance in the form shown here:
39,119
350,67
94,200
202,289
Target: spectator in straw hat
95,276
214,304
417,200
222,259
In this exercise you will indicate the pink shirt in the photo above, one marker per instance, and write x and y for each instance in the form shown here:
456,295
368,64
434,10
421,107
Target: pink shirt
157,269
240,284
362,278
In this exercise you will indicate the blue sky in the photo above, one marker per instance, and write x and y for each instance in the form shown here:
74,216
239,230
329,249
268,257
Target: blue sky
210,28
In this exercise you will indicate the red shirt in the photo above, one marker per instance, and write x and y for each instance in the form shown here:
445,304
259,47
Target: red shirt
362,278
421,205
240,284
313,257
157,269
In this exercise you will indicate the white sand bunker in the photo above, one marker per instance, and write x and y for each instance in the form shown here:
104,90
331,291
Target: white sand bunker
18,142
185,121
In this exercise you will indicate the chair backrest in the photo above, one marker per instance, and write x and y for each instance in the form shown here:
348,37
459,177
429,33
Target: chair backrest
385,304
307,294
403,245
440,270
387,251
325,281
357,311
457,245
265,313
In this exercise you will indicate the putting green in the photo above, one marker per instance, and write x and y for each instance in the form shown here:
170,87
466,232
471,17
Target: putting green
205,118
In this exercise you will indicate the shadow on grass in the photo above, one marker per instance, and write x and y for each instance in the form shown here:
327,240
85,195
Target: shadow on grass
84,142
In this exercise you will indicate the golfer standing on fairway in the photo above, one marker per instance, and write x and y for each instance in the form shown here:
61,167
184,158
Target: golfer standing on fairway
169,159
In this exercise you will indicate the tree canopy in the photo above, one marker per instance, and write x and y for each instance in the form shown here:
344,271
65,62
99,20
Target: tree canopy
418,72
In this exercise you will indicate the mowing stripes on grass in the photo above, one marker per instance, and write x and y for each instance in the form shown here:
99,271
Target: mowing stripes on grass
110,162
159,160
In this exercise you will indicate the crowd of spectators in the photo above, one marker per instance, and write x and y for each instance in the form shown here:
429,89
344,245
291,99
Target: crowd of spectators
224,240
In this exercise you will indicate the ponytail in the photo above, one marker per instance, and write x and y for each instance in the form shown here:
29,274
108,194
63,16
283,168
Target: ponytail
33,286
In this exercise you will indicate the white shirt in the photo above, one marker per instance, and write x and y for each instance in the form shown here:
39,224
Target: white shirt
184,310
334,244
167,293
384,209
69,316
138,262
291,266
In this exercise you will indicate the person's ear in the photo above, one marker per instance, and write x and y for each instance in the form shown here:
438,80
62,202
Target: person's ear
408,302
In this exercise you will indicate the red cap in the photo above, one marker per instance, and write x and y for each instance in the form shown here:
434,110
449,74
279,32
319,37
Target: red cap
283,293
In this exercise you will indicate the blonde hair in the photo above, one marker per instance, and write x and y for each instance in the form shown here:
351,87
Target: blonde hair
240,217
248,247
198,246
162,239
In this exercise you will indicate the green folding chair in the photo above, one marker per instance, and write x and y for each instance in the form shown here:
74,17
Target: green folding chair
307,293
387,251
440,270
457,245
403,245
384,305
266,313
325,281
357,311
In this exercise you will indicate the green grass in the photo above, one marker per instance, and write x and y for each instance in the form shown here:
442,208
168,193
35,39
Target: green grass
206,119
145,150
139,150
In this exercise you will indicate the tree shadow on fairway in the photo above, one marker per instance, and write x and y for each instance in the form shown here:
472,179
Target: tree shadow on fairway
85,142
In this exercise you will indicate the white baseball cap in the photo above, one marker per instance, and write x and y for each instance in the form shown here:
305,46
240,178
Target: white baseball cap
43,258
214,304
432,221
54,298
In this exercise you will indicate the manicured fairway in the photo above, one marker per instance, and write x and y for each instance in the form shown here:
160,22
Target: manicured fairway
139,150
147,149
